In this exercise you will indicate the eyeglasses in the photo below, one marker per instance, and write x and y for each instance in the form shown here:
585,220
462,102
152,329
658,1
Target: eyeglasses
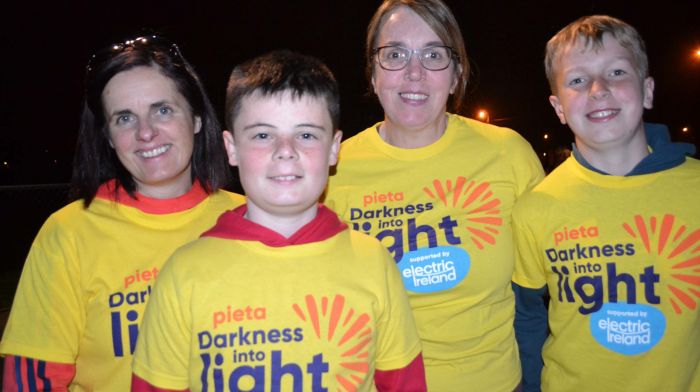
396,58
152,41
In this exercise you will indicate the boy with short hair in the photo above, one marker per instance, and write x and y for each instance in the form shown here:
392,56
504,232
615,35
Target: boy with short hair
612,233
280,295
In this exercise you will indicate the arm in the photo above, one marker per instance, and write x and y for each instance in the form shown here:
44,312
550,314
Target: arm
408,379
530,332
27,374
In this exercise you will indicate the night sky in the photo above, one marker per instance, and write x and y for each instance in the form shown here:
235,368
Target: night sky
45,47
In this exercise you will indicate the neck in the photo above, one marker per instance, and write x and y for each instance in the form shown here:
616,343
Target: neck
618,160
417,137
285,224
168,191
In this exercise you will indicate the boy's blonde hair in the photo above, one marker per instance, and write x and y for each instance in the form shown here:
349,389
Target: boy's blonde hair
591,29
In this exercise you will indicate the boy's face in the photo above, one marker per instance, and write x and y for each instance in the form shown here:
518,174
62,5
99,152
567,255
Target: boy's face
283,147
600,94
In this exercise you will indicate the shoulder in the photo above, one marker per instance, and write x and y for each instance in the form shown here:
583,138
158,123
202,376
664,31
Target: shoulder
691,164
360,141
224,196
473,129
73,215
562,179
365,249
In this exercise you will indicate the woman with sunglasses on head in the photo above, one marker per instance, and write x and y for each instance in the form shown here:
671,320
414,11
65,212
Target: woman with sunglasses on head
147,174
437,189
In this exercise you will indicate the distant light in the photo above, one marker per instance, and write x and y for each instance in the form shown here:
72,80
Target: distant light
5,163
546,136
544,154
685,129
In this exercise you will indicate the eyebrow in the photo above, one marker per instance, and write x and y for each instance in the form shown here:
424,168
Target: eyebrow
159,103
121,112
302,125
154,105
403,45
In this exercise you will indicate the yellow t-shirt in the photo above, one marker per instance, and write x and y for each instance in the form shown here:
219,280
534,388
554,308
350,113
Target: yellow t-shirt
443,211
231,314
89,274
621,259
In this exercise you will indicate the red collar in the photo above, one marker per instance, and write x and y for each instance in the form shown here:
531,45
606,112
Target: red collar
232,225
150,205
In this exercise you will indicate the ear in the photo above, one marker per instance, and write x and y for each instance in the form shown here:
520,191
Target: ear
457,76
335,148
374,85
197,124
648,92
230,145
558,109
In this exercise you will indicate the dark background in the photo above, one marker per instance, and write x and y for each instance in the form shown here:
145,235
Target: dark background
45,47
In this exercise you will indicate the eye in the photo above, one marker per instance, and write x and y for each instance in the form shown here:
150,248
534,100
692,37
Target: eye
395,53
433,53
261,136
619,72
308,136
576,81
124,119
164,110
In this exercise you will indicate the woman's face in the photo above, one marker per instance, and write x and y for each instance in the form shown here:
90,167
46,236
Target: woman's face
413,98
151,128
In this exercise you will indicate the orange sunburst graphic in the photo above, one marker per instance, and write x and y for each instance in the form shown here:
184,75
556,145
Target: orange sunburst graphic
351,332
671,240
482,206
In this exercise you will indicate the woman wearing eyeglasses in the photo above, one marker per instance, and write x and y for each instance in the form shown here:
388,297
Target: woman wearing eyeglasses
147,174
437,189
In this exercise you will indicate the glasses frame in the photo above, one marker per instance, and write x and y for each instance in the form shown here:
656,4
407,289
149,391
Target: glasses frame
411,52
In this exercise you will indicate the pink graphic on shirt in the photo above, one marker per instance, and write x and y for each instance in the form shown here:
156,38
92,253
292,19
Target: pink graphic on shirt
334,322
670,240
481,205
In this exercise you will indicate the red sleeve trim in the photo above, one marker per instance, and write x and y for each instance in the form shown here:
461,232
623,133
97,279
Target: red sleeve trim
407,379
138,384
28,374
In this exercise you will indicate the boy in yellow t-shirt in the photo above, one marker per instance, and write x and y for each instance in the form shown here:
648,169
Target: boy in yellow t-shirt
612,234
280,294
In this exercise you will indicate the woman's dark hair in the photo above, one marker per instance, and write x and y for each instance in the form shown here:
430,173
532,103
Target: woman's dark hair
96,162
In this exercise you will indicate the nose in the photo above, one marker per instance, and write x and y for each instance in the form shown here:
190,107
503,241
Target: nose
285,150
414,69
599,89
146,131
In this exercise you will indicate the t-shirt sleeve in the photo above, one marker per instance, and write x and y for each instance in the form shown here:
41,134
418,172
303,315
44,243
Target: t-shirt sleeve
398,342
47,316
528,271
526,165
162,350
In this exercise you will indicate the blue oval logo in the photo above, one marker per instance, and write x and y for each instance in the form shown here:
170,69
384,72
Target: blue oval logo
430,270
628,329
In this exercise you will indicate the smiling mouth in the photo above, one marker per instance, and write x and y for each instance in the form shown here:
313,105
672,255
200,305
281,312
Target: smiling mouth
601,114
155,152
285,178
414,96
